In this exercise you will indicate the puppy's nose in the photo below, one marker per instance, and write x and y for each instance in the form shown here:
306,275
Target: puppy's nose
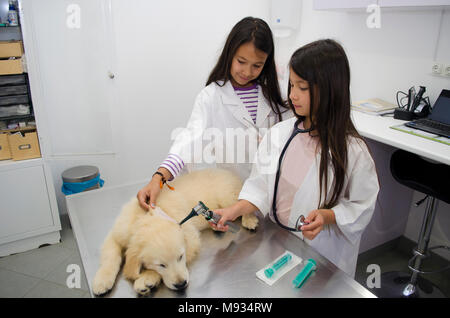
180,285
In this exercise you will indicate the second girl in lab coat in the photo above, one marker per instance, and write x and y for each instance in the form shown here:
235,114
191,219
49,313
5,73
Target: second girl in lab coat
327,174
242,97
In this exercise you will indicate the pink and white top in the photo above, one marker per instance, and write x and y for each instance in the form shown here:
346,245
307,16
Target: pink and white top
297,161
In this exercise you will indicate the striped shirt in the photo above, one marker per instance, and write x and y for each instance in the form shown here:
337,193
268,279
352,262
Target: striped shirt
248,96
173,163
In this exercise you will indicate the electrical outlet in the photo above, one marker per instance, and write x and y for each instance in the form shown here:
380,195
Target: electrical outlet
436,68
446,70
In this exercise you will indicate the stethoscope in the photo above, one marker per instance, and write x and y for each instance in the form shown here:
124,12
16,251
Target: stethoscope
301,219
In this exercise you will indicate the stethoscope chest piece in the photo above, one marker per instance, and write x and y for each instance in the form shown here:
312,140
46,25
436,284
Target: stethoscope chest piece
300,222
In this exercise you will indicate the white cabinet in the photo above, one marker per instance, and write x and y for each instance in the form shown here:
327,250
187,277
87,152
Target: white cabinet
28,211
342,4
363,4
413,3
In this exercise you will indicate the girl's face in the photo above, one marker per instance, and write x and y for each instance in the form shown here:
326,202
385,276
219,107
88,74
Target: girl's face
299,94
247,64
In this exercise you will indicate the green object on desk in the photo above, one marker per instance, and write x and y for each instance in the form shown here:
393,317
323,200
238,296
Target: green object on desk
423,134
278,265
301,278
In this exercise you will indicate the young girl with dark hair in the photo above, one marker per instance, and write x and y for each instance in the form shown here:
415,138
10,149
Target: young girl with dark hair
241,93
325,170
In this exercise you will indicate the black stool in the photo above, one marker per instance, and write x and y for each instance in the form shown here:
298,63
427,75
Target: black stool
432,179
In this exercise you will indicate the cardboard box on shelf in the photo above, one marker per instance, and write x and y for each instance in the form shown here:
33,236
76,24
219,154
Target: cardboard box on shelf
11,49
24,145
5,152
11,67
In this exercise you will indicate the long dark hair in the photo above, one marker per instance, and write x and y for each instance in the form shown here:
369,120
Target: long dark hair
324,65
256,31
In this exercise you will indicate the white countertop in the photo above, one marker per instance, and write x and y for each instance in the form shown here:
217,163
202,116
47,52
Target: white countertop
378,128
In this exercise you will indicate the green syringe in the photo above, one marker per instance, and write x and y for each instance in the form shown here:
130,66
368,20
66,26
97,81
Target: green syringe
278,265
300,279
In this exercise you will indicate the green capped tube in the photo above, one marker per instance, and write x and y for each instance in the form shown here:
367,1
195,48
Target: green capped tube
305,273
278,265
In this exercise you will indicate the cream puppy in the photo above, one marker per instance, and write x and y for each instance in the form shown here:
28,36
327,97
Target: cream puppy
154,246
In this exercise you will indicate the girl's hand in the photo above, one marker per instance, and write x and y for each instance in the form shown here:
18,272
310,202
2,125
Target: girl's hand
228,214
317,219
148,194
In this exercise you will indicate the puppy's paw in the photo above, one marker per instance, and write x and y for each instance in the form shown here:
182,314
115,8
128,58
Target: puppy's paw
250,221
103,283
148,280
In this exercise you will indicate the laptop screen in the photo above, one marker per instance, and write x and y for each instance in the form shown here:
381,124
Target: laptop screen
441,109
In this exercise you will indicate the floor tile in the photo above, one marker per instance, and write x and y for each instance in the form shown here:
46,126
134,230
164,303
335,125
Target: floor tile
396,259
45,289
60,275
38,262
15,285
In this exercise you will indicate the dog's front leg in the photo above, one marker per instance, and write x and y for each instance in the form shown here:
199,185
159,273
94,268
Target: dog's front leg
147,280
250,221
132,266
111,258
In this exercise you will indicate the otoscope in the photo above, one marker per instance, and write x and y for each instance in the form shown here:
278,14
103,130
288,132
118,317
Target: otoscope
202,209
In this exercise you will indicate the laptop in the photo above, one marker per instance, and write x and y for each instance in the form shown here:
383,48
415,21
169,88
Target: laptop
438,122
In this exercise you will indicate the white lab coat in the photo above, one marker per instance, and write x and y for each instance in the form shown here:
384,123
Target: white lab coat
218,111
338,242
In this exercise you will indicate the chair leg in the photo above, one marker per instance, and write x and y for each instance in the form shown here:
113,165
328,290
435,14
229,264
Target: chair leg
420,252
399,284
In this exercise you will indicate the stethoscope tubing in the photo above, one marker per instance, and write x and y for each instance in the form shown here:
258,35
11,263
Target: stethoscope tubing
277,177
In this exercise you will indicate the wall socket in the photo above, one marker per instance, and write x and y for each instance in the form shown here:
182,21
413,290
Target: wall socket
437,68
440,69
446,70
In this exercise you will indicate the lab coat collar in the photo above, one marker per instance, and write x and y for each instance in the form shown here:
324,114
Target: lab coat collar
228,95
263,108
231,100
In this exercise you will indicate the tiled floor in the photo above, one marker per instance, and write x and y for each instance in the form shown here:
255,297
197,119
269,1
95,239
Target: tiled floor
394,256
42,273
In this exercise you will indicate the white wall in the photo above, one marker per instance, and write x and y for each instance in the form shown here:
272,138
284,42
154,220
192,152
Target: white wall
165,51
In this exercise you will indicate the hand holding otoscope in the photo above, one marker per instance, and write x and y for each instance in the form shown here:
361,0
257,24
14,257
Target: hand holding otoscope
210,216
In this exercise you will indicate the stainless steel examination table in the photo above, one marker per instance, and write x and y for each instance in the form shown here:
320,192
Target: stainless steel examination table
227,263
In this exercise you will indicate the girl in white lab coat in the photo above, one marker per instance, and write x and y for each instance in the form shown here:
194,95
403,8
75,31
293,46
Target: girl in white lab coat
241,96
327,173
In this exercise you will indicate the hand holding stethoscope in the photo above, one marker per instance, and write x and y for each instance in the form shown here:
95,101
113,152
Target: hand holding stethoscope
316,220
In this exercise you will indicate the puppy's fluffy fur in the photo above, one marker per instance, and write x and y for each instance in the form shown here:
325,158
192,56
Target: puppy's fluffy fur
155,247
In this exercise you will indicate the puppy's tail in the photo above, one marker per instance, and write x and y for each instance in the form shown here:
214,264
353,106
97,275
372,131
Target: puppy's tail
110,261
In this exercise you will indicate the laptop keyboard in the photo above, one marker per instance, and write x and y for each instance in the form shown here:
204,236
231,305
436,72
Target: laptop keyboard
434,124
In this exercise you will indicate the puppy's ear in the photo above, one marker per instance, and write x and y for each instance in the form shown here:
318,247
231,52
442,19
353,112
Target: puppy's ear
132,267
191,241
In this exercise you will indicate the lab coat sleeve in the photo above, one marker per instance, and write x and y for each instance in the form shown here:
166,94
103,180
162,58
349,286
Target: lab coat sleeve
186,139
255,188
356,206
